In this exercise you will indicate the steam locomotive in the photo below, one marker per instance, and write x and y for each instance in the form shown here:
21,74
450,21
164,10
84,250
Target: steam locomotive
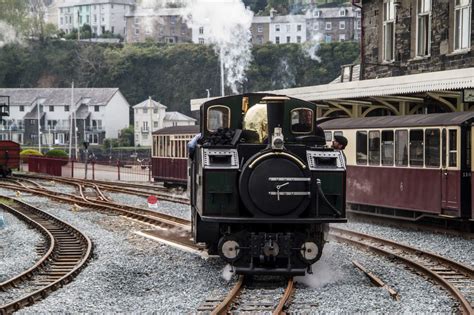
263,183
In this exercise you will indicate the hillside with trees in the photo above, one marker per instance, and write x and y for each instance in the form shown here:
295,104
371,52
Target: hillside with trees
171,74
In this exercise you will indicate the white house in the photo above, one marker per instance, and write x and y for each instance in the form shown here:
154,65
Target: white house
99,113
102,15
150,116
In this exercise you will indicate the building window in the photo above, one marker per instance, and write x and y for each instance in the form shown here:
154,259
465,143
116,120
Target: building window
298,28
137,31
288,28
358,24
316,26
260,29
96,108
423,27
317,13
277,40
113,28
358,13
389,30
201,30
137,20
342,12
61,21
328,38
288,39
342,37
66,108
328,26
22,108
145,111
155,110
277,28
342,25
155,124
95,18
51,108
201,40
298,39
462,27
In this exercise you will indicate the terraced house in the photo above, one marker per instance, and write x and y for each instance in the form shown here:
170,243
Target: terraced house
98,113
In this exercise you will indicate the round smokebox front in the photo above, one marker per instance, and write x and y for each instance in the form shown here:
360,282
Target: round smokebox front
275,186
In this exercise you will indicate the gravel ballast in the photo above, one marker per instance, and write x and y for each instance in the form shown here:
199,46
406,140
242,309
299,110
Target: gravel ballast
17,246
133,274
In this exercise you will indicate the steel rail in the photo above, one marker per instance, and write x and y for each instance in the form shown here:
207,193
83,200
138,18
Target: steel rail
225,305
147,216
449,274
290,289
69,253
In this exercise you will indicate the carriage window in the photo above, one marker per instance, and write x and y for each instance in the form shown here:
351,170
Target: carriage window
468,148
387,147
301,120
218,116
361,147
401,148
432,147
328,136
374,148
453,151
416,147
443,148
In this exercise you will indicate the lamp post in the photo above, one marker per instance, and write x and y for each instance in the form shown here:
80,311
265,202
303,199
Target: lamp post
39,126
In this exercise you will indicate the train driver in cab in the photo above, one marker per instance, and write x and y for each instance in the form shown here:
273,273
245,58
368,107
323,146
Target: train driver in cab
340,143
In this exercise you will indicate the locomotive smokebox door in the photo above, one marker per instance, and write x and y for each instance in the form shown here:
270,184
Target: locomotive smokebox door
275,184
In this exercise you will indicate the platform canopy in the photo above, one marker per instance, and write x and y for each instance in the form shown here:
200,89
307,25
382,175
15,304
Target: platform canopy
400,95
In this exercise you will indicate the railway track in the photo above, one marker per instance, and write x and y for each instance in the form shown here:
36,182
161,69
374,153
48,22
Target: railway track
126,188
166,228
456,278
252,297
64,252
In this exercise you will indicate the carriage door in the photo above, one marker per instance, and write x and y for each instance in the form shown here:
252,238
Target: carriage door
450,173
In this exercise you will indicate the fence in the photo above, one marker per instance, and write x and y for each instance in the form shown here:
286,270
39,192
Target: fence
115,170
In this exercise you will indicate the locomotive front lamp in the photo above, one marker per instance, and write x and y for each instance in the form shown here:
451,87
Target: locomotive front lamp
277,139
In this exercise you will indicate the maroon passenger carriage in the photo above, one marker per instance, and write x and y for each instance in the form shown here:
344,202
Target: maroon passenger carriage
410,167
170,154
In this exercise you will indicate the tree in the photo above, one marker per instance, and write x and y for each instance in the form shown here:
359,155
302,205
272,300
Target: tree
126,137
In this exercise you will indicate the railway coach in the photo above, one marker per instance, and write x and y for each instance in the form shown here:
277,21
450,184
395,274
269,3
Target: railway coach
9,157
411,167
170,154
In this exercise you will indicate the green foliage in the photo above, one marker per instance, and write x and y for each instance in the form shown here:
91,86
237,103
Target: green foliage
171,74
126,137
24,154
110,143
57,153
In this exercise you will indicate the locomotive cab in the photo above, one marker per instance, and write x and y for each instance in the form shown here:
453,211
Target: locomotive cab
263,184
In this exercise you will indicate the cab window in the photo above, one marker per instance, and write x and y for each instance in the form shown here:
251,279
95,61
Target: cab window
218,116
301,120
328,136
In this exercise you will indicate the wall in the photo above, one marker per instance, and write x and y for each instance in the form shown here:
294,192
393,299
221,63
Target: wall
442,32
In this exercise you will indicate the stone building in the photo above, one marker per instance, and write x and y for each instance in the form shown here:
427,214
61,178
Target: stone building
333,22
413,36
164,25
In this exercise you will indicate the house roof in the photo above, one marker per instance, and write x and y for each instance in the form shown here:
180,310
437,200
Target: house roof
70,3
150,12
444,119
146,104
33,114
261,19
288,19
60,96
194,129
355,75
177,116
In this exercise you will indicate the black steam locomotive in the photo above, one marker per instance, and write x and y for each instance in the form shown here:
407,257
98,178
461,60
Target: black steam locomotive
263,184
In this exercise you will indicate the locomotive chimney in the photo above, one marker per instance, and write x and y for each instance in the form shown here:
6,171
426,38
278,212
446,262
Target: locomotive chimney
275,114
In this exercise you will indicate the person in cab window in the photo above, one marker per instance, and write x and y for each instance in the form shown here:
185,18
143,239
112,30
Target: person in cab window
340,143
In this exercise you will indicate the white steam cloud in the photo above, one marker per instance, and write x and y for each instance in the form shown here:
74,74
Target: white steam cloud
226,24
7,34
324,271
